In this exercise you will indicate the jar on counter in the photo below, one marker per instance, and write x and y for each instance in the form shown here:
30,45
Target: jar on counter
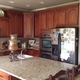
13,46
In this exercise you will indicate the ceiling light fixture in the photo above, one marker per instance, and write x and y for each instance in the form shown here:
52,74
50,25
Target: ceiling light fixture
11,1
28,5
41,2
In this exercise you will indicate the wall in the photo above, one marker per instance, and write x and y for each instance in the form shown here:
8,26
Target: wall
79,36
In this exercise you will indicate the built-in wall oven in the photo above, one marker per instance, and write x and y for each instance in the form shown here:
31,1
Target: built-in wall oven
46,46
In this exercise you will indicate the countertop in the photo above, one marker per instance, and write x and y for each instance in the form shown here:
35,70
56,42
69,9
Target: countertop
4,50
33,68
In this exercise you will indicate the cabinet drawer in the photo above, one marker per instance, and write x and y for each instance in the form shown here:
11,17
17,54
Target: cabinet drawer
4,76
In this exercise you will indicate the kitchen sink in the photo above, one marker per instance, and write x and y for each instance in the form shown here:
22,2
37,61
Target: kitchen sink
23,56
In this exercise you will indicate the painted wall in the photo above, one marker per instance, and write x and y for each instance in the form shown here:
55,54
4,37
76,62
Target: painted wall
79,36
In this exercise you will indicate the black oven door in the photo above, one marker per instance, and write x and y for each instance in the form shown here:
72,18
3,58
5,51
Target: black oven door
45,44
46,55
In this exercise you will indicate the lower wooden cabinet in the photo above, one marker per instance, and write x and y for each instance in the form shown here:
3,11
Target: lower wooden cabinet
14,78
5,76
1,53
33,52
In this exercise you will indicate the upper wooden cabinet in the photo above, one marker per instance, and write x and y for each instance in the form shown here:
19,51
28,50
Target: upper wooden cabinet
42,20
28,21
46,20
4,27
36,25
72,15
16,25
50,19
66,16
60,17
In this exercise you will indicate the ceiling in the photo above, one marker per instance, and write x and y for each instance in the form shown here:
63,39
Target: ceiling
33,5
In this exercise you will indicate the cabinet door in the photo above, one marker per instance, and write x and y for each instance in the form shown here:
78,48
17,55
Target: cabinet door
72,15
60,18
4,25
30,52
50,20
15,22
28,25
43,20
37,26
19,24
1,53
12,23
4,76
36,53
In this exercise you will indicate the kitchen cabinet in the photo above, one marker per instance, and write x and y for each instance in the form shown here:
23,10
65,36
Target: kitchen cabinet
15,22
4,27
1,53
33,52
42,21
7,52
66,16
60,16
72,15
37,26
36,53
50,20
46,20
5,76
28,21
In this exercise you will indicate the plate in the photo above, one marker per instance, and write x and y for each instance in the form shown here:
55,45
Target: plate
24,56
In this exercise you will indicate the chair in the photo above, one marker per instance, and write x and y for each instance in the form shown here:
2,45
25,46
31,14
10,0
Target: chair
61,75
75,73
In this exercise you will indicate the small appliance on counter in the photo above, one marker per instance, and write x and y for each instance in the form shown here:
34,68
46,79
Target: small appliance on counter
31,42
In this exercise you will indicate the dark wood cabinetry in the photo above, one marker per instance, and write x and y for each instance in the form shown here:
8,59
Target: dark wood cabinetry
37,26
66,16
16,25
72,15
5,76
50,20
46,20
28,21
4,27
33,52
60,17
42,20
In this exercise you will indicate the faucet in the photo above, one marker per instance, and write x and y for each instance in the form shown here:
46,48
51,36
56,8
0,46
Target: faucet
22,51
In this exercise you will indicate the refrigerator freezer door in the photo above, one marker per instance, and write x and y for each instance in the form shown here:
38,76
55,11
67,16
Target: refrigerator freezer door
67,42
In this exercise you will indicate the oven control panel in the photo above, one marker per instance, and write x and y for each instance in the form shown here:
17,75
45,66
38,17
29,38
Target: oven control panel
46,35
